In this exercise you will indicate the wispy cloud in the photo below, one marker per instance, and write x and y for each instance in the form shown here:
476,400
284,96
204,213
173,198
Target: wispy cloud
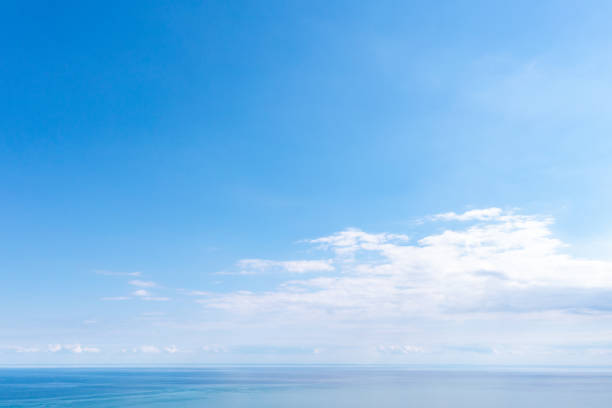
480,215
21,349
171,349
142,284
400,349
349,241
144,294
214,348
194,292
141,293
147,349
54,348
112,273
300,266
77,348
151,349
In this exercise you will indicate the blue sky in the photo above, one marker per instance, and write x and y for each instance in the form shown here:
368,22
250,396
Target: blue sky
248,182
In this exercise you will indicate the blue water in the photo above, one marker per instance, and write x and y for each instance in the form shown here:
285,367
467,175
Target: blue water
271,387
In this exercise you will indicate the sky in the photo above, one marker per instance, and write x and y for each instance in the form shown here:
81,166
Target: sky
204,182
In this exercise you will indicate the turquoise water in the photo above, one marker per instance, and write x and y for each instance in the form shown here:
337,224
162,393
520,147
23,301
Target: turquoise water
271,387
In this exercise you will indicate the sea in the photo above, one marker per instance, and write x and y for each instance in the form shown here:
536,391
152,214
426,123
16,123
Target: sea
304,386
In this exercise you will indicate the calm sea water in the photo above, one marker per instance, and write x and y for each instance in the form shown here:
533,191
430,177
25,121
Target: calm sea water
271,387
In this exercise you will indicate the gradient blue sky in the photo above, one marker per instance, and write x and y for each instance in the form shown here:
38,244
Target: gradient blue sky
212,153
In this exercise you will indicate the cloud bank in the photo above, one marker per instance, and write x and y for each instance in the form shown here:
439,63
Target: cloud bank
499,262
485,285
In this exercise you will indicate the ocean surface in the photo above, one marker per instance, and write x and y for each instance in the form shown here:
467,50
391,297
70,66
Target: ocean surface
299,386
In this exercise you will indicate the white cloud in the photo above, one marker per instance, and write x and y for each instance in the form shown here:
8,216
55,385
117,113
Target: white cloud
147,349
399,349
111,273
22,349
300,266
492,266
116,298
481,215
78,349
489,284
351,240
54,348
171,349
214,348
144,294
142,284
195,292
